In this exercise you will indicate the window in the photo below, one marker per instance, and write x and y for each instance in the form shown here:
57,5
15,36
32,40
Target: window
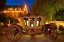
38,21
32,22
26,21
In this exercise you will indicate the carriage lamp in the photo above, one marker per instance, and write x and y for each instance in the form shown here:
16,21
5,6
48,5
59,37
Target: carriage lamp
48,29
32,25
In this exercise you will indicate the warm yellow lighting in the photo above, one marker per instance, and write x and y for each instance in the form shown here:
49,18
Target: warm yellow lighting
47,23
12,11
10,8
32,25
20,9
27,23
2,23
9,23
19,19
24,22
1,12
48,29
25,8
37,23
15,9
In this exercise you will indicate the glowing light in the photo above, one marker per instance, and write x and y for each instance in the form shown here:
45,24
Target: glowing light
15,9
10,8
47,23
20,9
12,11
27,23
37,23
2,23
25,8
48,29
19,19
32,25
9,23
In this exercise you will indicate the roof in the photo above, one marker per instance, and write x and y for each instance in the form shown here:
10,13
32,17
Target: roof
29,15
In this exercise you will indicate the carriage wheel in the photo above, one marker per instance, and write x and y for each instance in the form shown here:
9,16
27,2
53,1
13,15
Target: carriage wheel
53,36
13,34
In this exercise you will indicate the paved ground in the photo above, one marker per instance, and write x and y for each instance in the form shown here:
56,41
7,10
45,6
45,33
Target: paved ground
38,38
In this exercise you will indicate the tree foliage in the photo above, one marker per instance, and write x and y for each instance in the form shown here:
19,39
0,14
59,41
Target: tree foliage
5,19
59,16
12,19
47,7
2,4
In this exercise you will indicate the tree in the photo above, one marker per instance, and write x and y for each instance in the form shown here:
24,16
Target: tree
3,21
48,7
12,19
2,4
3,18
59,16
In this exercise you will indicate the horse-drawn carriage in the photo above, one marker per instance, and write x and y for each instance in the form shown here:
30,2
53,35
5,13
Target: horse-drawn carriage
31,25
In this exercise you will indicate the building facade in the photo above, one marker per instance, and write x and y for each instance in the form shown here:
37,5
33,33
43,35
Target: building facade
16,10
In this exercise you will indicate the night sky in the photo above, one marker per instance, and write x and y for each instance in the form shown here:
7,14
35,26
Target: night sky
20,2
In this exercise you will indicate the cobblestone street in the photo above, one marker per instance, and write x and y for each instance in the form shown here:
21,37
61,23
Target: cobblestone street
38,38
